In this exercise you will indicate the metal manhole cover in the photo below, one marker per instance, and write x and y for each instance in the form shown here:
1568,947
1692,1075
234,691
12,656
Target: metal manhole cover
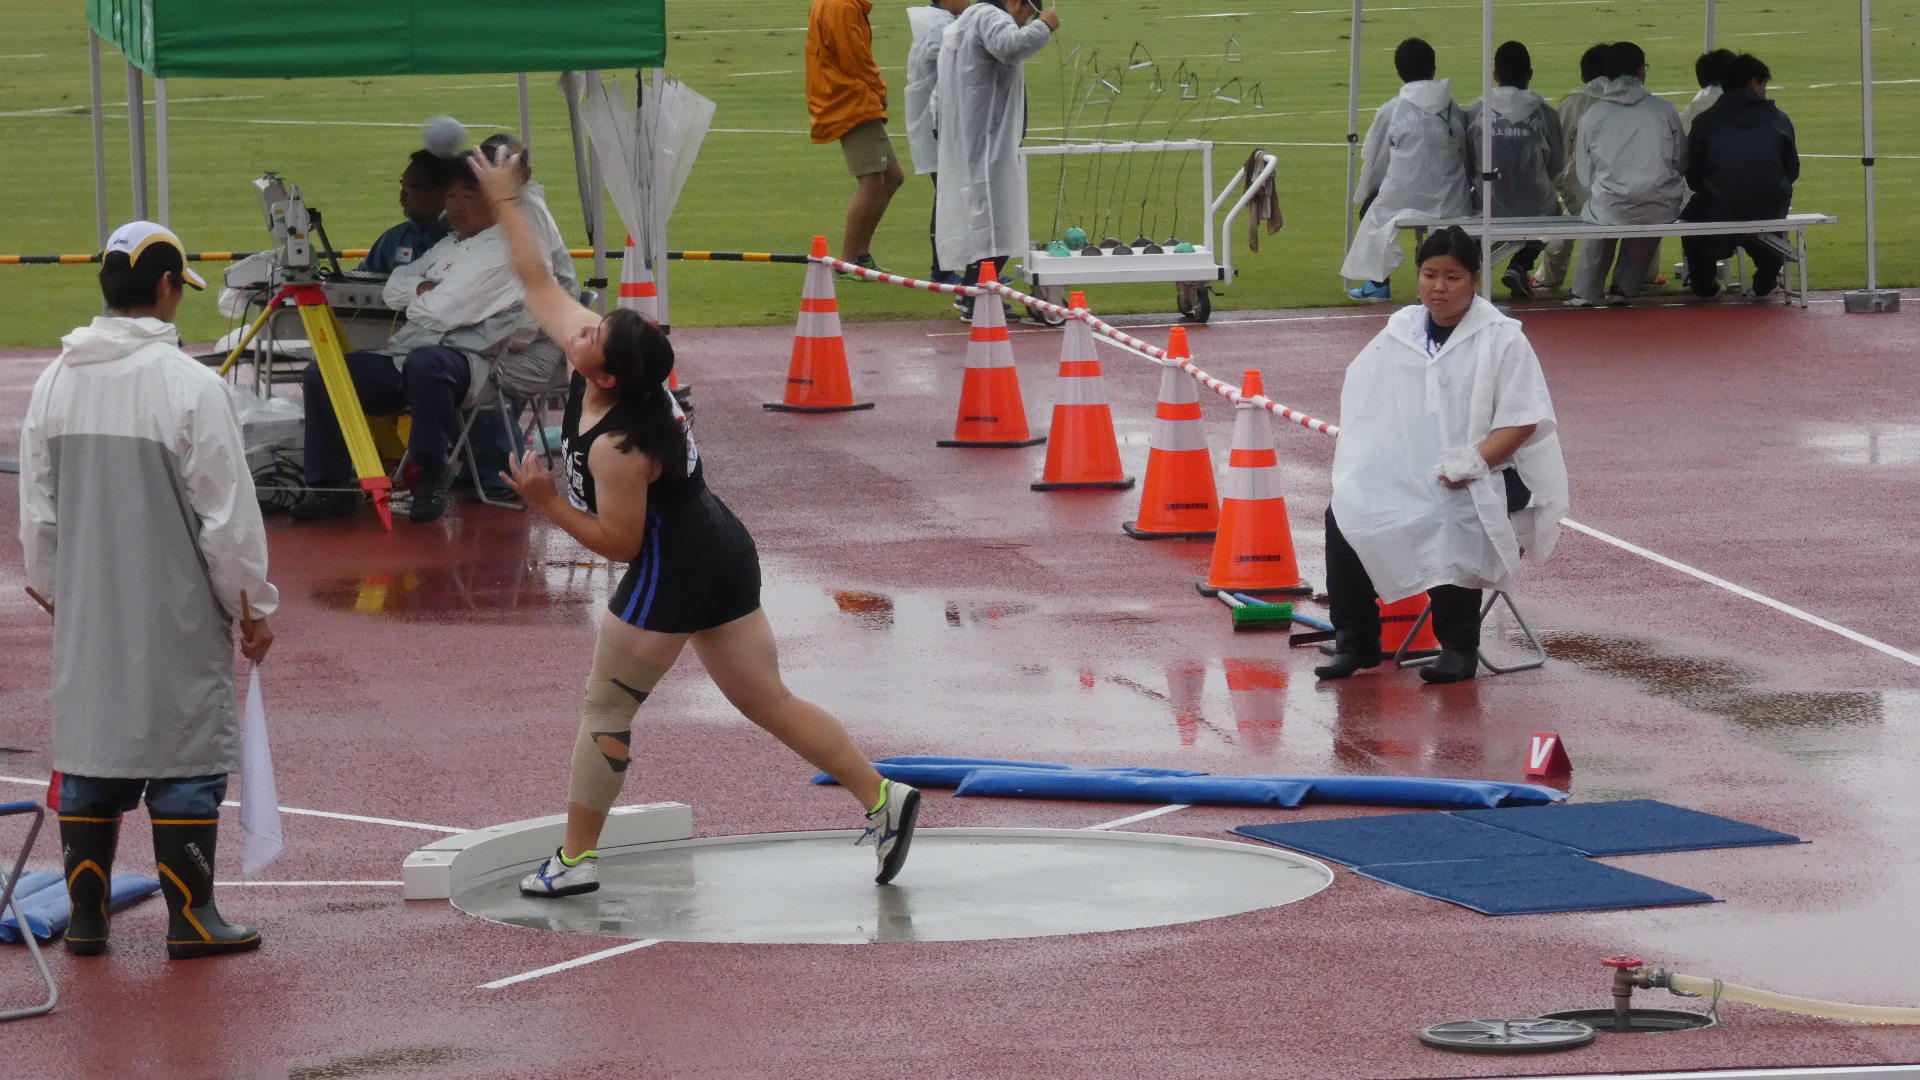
1524,1035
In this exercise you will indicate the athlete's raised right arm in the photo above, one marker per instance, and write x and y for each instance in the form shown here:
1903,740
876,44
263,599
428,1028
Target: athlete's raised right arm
559,315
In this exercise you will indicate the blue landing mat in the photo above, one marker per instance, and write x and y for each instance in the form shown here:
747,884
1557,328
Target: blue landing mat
1402,838
1629,827
1529,885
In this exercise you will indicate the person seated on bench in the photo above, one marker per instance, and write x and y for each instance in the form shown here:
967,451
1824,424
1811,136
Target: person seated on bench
1630,155
423,199
464,308
1707,70
1528,152
1741,164
1593,66
1412,165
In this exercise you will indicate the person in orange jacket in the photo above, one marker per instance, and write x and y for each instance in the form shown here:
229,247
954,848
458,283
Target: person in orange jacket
848,101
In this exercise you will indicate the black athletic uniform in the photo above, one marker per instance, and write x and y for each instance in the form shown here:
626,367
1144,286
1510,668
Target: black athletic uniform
697,566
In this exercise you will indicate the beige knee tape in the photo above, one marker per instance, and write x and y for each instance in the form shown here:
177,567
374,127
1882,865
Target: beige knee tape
619,683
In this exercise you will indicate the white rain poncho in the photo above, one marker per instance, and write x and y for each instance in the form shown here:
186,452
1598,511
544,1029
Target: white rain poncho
1415,158
981,103
1400,410
929,25
1528,152
1631,154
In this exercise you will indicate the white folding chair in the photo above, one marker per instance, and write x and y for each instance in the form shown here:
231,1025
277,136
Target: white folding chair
1403,658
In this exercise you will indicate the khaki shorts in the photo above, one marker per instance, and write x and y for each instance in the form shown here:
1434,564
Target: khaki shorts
868,149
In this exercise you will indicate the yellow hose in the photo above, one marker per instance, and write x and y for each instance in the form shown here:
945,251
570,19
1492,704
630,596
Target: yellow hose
1831,1010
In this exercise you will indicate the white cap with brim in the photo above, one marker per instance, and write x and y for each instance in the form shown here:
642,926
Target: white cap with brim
150,247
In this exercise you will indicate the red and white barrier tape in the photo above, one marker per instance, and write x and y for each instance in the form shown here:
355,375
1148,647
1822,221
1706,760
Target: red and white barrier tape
895,279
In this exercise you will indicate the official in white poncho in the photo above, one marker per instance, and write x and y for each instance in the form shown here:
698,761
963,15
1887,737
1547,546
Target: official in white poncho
1448,467
981,110
929,25
1413,165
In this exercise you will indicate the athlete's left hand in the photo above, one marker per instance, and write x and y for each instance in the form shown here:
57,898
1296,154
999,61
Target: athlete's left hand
531,480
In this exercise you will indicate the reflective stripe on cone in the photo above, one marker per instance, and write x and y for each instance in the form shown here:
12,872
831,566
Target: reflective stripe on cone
817,379
1178,501
1253,552
991,412
1082,450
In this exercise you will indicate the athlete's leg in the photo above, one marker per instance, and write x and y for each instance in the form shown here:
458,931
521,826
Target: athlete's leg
744,663
627,664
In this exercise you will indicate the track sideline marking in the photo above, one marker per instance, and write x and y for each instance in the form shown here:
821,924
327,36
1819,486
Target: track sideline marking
564,965
395,822
1738,590
1131,818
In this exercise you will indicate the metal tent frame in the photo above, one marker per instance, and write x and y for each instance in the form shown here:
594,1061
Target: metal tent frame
1871,298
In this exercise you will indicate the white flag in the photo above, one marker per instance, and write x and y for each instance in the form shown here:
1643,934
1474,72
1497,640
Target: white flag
259,800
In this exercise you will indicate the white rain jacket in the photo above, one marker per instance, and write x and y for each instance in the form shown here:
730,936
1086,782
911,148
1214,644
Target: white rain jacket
929,23
1400,409
1631,154
1414,158
1574,194
533,204
476,305
1528,152
981,103
138,518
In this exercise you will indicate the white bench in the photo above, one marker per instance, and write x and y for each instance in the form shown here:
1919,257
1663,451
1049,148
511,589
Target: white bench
1509,234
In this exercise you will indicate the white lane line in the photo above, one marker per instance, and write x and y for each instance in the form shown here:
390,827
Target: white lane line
1131,818
578,961
396,823
249,884
1737,590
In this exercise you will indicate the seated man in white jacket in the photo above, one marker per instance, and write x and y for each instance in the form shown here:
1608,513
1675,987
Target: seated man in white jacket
139,521
1631,155
1412,165
465,308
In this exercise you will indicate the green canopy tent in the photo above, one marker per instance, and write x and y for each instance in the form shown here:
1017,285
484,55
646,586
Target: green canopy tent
244,39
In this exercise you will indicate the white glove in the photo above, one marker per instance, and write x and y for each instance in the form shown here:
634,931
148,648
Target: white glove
1461,464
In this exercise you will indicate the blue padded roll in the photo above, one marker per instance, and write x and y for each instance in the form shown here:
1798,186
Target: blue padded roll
950,772
1401,838
1629,827
1427,791
1527,885
49,910
1102,786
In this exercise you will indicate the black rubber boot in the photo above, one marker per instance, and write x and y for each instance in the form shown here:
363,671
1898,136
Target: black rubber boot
324,505
1452,665
1351,653
432,490
87,845
1457,625
184,850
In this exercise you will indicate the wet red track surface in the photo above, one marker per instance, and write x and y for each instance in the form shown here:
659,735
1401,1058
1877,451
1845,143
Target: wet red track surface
939,606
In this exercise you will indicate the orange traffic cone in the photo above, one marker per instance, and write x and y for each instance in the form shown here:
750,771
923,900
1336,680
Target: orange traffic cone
1254,551
991,413
817,380
1396,621
1178,501
1082,451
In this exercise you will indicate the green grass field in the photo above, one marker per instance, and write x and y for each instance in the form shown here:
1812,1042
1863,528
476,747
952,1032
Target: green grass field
761,185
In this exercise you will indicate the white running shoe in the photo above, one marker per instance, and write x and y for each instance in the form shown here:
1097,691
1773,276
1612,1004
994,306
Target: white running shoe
556,877
890,826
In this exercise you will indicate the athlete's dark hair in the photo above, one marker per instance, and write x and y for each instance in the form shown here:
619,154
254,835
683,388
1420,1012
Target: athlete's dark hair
1593,62
1513,64
639,357
1453,242
1711,65
130,288
499,148
1413,59
1625,58
1742,70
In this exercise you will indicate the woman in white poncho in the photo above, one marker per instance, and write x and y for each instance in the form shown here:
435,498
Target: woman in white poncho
1448,467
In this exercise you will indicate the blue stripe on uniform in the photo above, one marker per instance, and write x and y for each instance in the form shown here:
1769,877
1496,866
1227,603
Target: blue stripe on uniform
653,570
649,544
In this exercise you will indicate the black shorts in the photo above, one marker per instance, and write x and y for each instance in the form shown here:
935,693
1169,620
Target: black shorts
697,569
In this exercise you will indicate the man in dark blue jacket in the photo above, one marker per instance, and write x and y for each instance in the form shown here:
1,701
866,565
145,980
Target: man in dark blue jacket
1741,165
423,199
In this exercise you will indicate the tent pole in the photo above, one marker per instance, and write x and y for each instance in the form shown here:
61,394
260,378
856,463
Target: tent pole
1710,6
597,213
526,115
163,191
99,140
657,243
1871,298
1487,179
137,138
1353,120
